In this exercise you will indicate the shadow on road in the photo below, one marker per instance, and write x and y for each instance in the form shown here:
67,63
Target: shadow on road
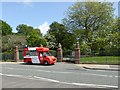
36,64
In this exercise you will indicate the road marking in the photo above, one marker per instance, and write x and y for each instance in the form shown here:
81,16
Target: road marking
53,71
46,79
84,73
95,85
56,81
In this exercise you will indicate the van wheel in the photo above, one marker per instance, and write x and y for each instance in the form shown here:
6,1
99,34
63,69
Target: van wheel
46,63
29,63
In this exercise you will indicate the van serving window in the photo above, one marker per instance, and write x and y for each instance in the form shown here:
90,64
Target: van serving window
33,53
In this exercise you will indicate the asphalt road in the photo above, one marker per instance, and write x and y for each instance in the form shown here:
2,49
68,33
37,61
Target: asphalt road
60,75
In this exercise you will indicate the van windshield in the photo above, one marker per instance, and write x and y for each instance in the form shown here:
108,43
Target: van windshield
47,53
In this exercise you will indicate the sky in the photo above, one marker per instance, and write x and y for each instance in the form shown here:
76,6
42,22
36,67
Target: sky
37,14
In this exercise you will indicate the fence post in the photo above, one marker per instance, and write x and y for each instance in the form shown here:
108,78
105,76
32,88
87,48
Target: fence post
16,54
59,53
77,53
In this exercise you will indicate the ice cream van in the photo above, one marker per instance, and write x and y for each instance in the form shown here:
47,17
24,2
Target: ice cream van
38,55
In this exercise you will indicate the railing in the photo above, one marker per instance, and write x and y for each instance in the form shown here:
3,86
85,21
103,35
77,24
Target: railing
103,57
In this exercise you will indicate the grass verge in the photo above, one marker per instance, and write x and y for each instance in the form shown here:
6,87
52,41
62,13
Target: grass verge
101,60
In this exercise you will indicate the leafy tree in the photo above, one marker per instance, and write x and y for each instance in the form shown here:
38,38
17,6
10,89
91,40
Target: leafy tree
0,28
90,22
51,41
33,35
10,41
37,31
5,28
114,37
118,23
23,29
28,30
35,40
61,35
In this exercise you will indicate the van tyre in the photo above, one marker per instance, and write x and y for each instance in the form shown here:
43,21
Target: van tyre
46,63
29,63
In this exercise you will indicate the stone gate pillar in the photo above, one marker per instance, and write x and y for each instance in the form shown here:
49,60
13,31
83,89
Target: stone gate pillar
77,53
59,53
16,54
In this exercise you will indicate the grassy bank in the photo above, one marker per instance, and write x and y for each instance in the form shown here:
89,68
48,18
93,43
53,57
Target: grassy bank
101,60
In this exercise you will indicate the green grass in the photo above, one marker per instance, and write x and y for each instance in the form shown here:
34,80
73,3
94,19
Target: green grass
101,60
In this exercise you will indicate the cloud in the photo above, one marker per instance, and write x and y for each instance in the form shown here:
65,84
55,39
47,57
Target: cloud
44,28
26,2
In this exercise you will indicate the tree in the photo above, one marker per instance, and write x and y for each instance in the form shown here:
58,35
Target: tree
37,31
22,28
35,40
10,41
5,28
61,35
51,41
90,22
28,30
114,37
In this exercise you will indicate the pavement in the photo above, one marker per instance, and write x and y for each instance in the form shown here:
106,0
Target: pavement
86,66
100,67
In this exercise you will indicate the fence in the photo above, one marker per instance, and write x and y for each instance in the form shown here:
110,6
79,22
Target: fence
94,57
11,56
7,56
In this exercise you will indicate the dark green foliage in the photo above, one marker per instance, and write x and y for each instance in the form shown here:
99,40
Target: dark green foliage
61,35
28,30
5,28
35,40
33,35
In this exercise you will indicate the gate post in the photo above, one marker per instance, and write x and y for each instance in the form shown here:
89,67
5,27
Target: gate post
16,54
77,53
59,53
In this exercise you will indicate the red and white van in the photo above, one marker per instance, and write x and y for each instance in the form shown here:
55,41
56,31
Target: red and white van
38,55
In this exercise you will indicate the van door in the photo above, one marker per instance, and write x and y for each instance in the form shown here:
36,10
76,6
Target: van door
34,56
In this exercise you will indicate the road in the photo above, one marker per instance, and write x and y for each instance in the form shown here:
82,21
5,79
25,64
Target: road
60,75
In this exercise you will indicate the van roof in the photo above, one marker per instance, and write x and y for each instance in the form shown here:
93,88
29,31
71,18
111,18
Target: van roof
40,49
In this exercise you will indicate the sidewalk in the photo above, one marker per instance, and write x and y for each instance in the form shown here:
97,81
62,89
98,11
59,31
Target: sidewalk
10,62
100,67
